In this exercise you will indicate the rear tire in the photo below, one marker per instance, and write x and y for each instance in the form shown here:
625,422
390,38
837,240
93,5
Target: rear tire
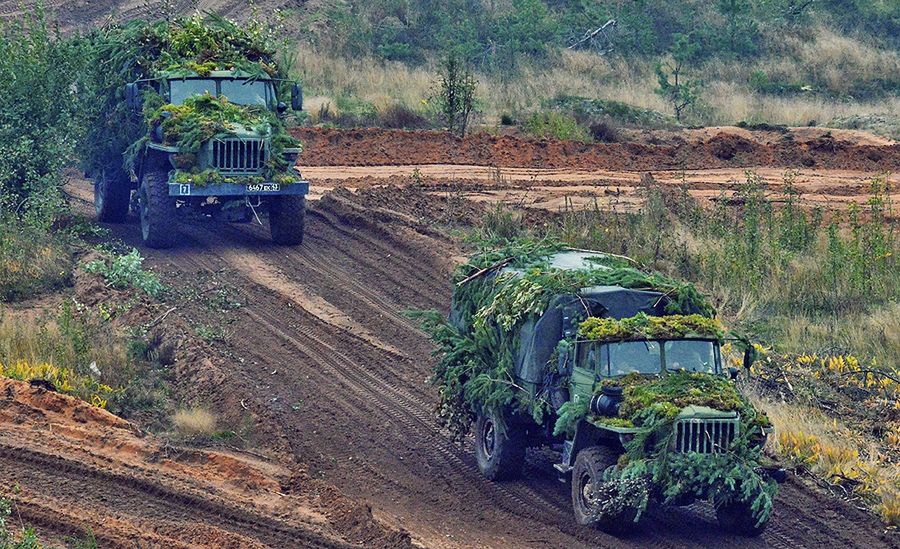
499,452
737,518
287,219
590,464
112,191
159,221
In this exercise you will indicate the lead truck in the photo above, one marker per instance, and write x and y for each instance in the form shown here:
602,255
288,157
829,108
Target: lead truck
619,370
194,122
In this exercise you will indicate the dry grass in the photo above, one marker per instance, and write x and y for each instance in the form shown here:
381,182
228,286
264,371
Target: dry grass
66,337
830,450
821,56
194,422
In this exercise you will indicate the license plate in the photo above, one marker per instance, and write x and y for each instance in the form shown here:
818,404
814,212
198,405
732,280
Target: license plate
263,188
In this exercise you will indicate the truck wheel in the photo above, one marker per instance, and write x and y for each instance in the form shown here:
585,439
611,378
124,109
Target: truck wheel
737,517
287,218
500,452
112,192
589,468
159,222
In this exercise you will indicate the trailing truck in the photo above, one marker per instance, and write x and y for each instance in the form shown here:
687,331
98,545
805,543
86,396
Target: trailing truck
620,371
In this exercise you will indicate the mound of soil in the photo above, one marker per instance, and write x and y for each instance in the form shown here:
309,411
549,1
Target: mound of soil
76,467
722,149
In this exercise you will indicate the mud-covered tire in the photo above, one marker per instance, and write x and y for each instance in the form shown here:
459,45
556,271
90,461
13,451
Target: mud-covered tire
737,518
287,219
499,451
590,464
112,192
159,220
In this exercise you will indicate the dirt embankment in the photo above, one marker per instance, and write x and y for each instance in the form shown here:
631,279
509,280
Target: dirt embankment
70,467
727,148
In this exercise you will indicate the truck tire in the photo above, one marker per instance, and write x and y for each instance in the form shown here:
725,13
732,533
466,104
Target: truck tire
287,218
590,465
737,518
159,222
112,191
499,452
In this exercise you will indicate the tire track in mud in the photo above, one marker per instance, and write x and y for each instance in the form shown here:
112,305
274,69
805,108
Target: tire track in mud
78,481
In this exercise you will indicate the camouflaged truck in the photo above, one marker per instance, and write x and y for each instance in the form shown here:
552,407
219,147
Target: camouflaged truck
590,372
239,156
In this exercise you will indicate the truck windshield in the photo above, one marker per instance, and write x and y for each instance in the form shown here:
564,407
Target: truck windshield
691,355
182,89
634,356
245,92
650,357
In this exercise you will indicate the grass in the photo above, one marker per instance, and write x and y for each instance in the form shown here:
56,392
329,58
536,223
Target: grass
194,422
824,72
31,262
82,354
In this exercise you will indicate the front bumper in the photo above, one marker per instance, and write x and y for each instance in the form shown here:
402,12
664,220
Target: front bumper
234,189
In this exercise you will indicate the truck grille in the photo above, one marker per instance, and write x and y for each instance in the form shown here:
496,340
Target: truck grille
706,436
238,156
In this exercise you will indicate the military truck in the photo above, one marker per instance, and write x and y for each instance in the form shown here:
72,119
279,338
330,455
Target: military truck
619,370
197,123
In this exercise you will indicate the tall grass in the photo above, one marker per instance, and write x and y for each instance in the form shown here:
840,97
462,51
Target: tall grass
823,71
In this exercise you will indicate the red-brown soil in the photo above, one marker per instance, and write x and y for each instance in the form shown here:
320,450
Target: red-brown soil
727,148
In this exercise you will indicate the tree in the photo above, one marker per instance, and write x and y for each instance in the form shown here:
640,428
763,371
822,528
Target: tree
455,94
673,84
740,29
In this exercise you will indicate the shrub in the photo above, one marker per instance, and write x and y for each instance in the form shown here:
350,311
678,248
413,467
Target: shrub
125,271
605,131
454,94
555,125
24,539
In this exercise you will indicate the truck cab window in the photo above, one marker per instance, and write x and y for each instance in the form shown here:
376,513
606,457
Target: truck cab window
246,92
182,89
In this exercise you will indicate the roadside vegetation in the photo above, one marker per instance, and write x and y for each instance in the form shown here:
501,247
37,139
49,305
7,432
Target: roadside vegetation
66,345
817,289
833,62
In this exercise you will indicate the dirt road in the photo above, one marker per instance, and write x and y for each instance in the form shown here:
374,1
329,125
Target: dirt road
332,368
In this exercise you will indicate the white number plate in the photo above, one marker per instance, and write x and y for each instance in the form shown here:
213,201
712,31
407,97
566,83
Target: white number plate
263,188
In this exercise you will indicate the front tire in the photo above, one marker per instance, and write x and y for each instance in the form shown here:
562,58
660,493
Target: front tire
287,219
112,191
159,222
590,464
499,450
737,518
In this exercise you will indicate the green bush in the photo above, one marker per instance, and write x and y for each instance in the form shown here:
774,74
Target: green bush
125,271
38,115
556,125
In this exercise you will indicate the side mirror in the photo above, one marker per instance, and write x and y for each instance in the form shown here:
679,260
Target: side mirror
133,96
281,108
296,98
